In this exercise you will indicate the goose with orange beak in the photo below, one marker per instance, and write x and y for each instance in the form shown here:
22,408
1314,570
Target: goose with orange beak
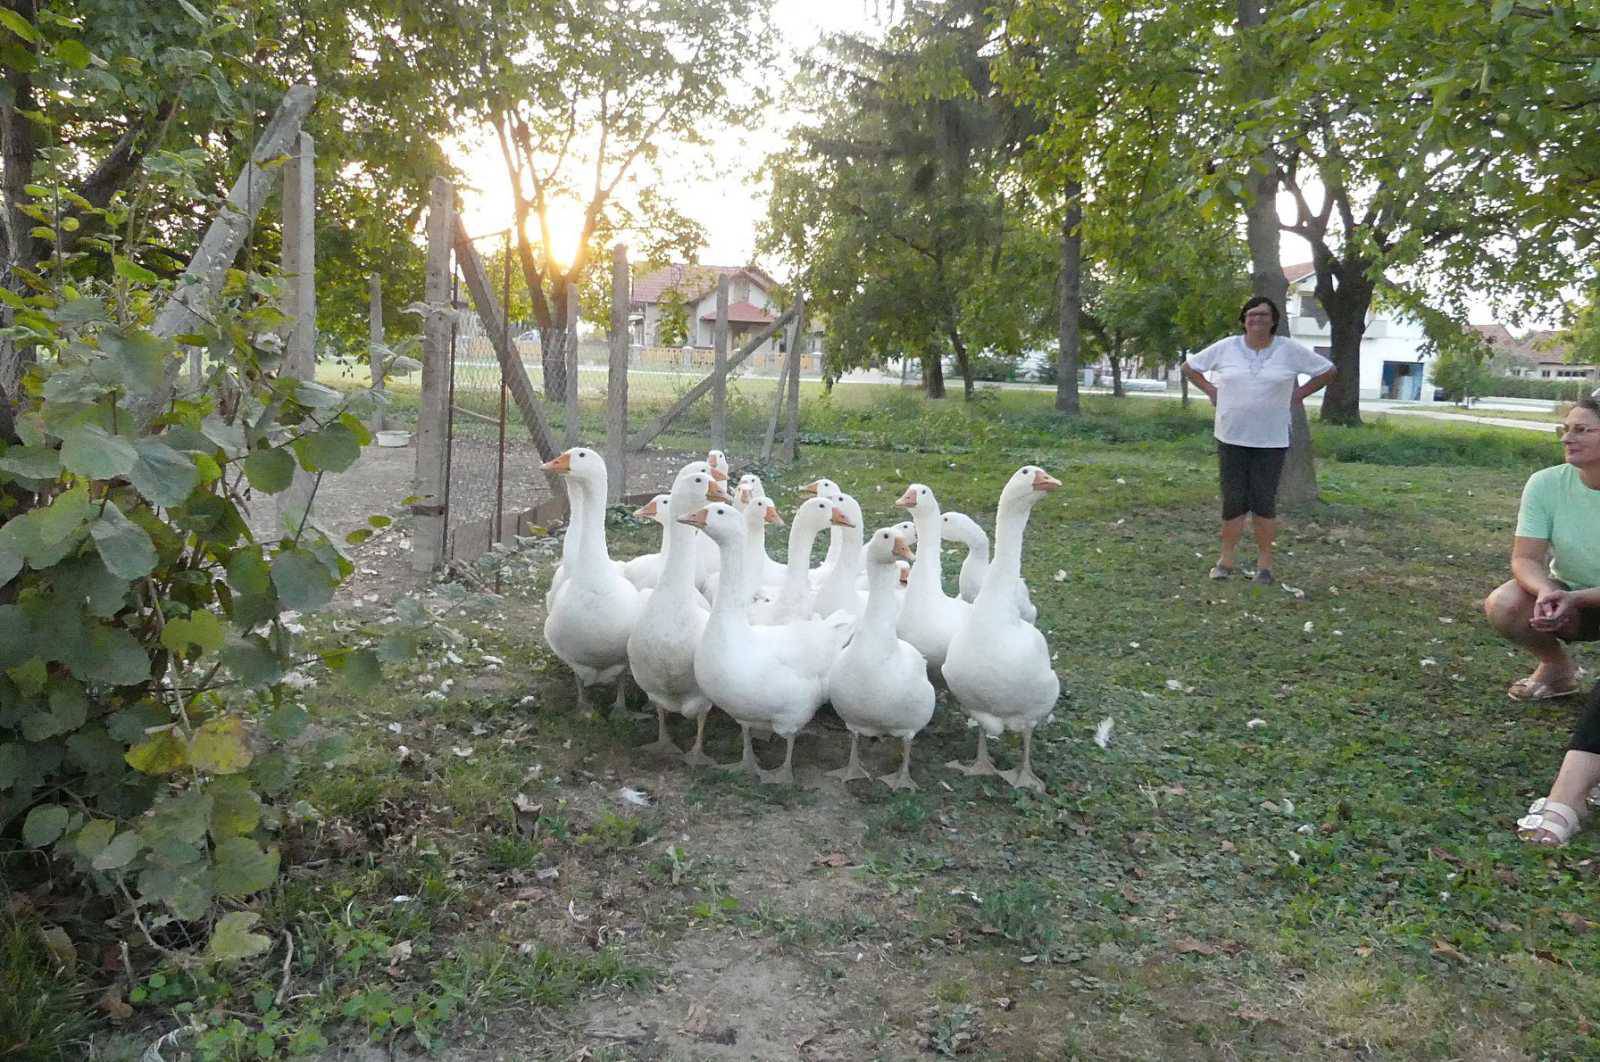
771,678
998,664
795,597
662,644
929,617
959,527
879,685
593,610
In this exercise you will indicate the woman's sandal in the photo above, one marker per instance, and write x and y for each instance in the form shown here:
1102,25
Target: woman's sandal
1548,823
1532,689
1222,571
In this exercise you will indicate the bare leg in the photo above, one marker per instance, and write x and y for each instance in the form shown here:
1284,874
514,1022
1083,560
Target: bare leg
748,762
982,764
852,769
696,756
1232,530
1023,777
1580,772
663,742
1266,531
1509,608
785,773
901,779
585,709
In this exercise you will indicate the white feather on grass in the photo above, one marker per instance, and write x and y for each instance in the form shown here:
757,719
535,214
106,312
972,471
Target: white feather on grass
1103,732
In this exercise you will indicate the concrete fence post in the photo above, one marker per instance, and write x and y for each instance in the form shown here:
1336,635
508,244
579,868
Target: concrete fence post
433,418
299,265
719,388
617,377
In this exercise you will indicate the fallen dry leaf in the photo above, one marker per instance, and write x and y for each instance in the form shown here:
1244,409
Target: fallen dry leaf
1443,949
1576,922
1191,946
832,859
1440,853
1251,1014
1004,1002
114,1006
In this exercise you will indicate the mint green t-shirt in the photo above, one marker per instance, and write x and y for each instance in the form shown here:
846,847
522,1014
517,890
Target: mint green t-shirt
1557,507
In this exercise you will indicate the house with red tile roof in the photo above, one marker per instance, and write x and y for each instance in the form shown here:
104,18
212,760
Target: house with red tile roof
1539,355
752,303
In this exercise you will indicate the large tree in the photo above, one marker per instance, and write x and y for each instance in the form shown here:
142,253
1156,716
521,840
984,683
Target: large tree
899,202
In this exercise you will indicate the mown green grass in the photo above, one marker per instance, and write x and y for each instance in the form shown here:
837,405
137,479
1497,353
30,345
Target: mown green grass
1338,880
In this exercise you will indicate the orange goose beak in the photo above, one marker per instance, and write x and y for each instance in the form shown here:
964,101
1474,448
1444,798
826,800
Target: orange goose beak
1044,481
714,492
839,519
695,519
908,500
560,464
772,516
647,511
902,550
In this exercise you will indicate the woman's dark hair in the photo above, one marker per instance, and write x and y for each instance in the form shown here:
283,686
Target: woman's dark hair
1588,402
1261,300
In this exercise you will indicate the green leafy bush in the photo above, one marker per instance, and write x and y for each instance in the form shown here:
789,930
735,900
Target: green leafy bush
144,629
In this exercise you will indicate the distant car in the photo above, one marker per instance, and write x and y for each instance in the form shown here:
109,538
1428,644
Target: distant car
530,336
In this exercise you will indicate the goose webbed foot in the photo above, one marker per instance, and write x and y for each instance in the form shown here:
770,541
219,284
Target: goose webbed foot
901,779
851,770
1023,777
663,744
585,706
696,756
783,775
981,764
748,762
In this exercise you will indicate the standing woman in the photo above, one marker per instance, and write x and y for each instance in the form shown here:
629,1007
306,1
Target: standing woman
1256,381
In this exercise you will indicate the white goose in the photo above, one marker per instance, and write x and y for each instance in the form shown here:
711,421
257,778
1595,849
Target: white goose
767,572
766,677
758,514
645,571
929,618
661,647
964,529
593,610
999,664
879,685
826,488
838,588
794,598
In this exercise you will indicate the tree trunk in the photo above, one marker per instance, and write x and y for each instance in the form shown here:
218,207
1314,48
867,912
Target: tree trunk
1183,389
963,362
1298,485
1346,306
1115,357
933,375
19,149
1070,292
553,360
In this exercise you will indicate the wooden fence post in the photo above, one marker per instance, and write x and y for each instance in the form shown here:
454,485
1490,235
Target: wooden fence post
427,537
299,266
571,396
617,377
791,440
375,359
719,388
202,279
778,393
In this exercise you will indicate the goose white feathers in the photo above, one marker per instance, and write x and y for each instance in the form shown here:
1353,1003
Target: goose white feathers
795,596
879,685
998,664
662,645
837,591
593,610
964,529
929,618
765,677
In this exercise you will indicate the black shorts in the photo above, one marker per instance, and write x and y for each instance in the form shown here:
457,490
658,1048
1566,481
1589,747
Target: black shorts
1250,477
1588,627
1587,737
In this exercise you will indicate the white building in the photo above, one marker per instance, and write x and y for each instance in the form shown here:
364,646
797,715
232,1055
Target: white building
752,303
1393,362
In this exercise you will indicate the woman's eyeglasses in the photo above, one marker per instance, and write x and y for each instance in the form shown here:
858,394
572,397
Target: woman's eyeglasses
1577,431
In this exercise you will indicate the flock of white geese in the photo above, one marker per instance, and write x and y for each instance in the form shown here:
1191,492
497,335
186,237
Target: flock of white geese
712,620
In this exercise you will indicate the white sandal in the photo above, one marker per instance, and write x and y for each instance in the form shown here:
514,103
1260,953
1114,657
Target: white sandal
1561,826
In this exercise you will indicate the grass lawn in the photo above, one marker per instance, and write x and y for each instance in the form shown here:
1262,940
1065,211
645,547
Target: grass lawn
1298,841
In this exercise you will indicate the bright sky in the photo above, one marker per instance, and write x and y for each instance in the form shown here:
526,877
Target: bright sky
714,186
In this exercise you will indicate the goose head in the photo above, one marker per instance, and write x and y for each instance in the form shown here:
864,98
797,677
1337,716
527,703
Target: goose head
919,499
814,516
769,511
691,490
719,465
654,509
721,521
579,463
749,490
906,530
1027,485
886,546
822,488
851,509
960,527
